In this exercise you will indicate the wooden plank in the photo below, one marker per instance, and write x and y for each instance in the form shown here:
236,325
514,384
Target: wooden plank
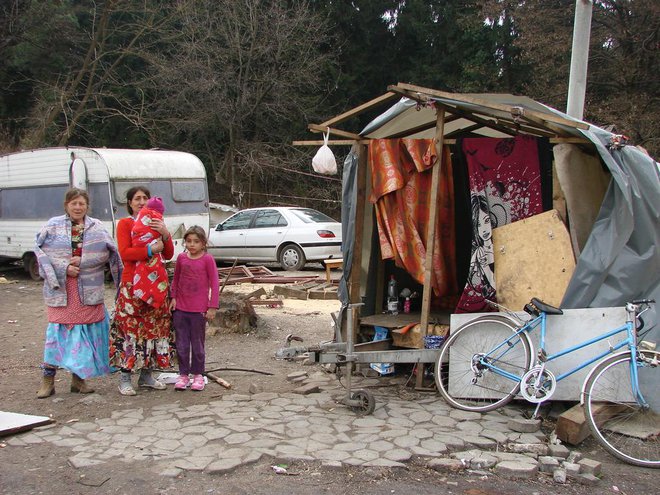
326,293
11,423
402,319
336,132
331,142
572,425
290,292
359,109
533,258
489,104
266,302
255,293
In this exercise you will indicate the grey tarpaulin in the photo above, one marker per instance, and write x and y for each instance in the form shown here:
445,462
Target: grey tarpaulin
620,261
348,207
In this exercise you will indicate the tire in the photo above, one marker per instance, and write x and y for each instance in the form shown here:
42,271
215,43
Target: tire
31,266
612,428
454,374
367,405
292,258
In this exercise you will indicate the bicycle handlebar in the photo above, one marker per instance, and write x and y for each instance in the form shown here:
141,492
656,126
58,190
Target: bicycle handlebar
644,301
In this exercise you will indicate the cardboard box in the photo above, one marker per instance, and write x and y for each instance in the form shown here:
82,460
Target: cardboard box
412,338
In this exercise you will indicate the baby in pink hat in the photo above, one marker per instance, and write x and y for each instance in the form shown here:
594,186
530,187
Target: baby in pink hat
150,279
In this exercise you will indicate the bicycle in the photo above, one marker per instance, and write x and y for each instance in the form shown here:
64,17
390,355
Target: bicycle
486,362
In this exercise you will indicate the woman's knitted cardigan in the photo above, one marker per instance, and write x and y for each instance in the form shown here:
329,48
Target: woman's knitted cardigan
53,250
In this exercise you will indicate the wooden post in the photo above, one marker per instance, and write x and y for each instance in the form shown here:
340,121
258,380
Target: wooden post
430,233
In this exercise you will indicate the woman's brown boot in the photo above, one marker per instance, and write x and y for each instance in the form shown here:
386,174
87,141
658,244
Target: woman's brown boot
79,386
47,387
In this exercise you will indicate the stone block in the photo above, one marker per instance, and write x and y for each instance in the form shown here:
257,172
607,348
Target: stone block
548,464
558,450
522,425
515,469
587,479
310,388
559,475
446,465
589,466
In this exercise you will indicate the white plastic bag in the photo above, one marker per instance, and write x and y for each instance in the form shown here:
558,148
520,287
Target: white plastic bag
324,161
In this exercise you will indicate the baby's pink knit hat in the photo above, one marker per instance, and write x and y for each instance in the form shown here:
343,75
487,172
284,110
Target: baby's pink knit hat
156,203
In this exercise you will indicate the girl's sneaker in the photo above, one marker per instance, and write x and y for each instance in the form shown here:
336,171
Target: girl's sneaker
182,382
198,383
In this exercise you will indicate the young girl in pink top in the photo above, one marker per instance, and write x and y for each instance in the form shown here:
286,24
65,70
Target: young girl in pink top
194,299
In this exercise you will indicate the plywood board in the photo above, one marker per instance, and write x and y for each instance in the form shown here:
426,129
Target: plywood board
11,423
562,331
533,258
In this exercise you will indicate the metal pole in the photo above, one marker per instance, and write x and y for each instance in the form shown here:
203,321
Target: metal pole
577,83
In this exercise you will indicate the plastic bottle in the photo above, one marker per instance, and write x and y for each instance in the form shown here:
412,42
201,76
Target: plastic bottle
392,296
406,305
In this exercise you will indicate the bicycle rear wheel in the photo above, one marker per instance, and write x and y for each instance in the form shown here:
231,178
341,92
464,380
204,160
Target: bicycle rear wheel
464,382
621,425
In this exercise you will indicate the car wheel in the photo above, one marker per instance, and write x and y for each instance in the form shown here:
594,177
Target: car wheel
292,258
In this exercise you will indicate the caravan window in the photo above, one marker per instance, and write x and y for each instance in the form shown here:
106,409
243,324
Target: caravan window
181,196
188,191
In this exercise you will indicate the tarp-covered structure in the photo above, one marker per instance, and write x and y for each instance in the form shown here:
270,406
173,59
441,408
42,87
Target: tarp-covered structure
616,244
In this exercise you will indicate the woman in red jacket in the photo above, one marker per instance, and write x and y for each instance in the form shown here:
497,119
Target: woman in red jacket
141,334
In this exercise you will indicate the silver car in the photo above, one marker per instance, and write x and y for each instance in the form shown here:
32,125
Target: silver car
289,236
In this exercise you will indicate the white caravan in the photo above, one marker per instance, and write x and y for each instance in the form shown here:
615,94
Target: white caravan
33,183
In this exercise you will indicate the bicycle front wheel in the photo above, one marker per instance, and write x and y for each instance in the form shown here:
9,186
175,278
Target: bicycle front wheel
624,427
460,374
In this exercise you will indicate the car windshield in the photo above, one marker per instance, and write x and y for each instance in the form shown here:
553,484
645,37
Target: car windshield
308,215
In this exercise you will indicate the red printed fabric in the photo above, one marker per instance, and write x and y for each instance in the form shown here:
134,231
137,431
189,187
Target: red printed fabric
401,192
505,186
150,282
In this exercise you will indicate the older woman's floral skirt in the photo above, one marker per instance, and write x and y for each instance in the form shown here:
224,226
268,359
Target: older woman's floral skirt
141,336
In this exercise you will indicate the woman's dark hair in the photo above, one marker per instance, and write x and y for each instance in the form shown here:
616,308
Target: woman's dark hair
479,204
199,232
72,194
132,192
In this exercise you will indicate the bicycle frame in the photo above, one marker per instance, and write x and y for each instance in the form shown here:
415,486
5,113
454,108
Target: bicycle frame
630,342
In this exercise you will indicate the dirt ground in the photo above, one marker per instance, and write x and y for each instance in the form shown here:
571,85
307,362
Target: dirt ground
44,468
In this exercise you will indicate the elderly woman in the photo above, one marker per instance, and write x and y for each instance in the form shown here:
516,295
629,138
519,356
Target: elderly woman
73,251
141,333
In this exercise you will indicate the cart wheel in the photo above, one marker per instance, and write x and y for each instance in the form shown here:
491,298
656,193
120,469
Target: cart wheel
367,402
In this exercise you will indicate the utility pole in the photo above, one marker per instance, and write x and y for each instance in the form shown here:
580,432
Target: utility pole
577,82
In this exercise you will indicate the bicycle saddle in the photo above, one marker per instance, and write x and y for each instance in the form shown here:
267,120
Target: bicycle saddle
546,308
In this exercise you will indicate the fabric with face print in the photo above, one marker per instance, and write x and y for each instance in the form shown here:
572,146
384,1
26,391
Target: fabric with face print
505,186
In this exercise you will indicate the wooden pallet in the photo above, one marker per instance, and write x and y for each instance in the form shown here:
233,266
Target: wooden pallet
312,289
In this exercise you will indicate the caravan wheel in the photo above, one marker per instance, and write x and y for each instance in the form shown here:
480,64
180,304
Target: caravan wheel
31,265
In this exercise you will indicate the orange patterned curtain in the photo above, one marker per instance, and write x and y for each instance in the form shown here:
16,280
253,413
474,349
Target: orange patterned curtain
401,192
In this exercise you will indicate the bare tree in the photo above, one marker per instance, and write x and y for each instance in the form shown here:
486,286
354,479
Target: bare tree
237,77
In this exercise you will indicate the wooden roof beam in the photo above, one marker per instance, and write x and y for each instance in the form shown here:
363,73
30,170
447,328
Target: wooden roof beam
359,109
487,104
336,132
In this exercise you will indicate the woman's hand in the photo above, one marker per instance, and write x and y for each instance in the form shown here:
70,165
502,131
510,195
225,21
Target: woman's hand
157,247
74,267
172,304
159,226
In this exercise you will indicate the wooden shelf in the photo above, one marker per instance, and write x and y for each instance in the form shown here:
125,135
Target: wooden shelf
402,319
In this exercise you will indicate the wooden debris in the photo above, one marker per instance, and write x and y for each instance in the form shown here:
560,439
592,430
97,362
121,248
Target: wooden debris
219,380
311,289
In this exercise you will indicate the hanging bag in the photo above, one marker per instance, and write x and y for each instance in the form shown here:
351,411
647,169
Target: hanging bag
324,161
